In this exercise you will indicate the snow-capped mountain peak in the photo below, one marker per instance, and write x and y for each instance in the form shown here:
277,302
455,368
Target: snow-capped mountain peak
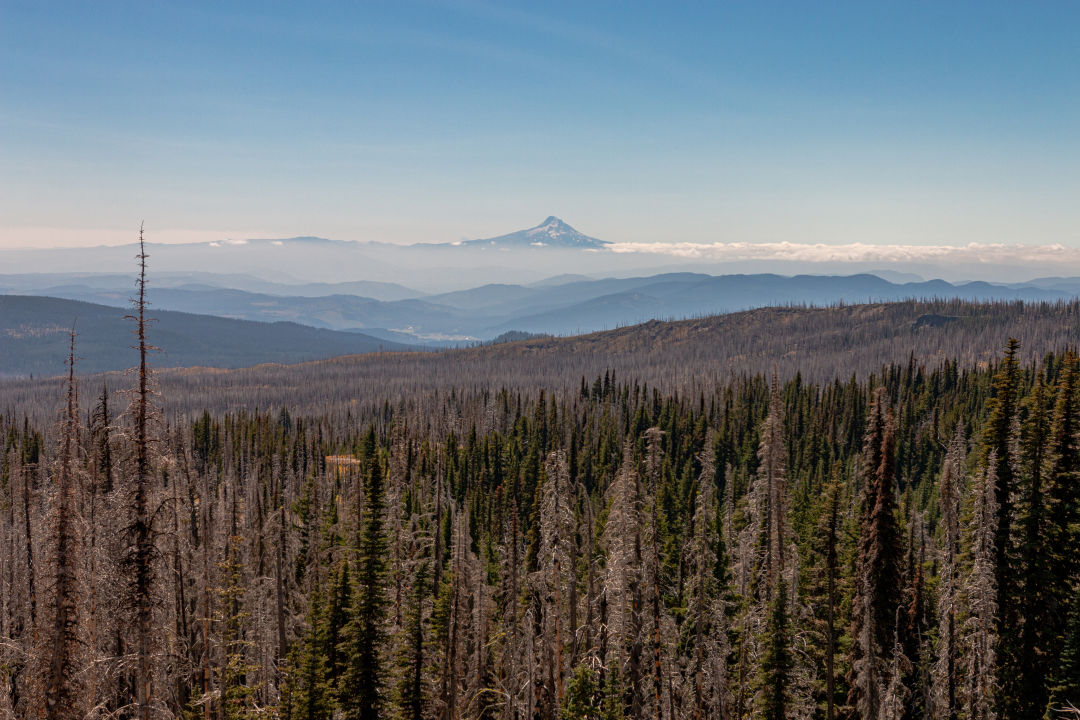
553,232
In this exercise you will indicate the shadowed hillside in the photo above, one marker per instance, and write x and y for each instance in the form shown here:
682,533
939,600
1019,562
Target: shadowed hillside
34,337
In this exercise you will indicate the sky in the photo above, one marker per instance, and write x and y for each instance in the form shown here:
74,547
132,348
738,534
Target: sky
839,123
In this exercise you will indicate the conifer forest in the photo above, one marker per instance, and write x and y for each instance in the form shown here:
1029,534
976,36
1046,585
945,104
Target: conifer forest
896,544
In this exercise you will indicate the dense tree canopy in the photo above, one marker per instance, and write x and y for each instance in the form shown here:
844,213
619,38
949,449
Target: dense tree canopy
763,549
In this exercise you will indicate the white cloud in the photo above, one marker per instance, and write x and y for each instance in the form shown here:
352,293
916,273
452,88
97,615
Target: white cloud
970,254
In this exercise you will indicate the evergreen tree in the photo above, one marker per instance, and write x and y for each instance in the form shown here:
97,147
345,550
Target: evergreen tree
1062,534
1063,492
332,624
999,438
309,696
777,664
362,685
582,700
877,570
413,697
1065,687
1026,668
238,701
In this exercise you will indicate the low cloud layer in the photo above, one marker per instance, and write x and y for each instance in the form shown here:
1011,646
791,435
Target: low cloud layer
973,255
993,254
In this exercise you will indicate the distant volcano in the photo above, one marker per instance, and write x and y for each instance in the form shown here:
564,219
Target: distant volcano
553,232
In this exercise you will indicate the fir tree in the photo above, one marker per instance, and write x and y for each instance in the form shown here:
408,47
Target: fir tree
1024,676
413,697
309,696
582,700
777,663
363,680
999,438
878,564
1065,687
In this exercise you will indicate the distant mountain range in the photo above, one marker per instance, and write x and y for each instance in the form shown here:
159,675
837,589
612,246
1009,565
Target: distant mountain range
35,283
34,339
562,306
313,266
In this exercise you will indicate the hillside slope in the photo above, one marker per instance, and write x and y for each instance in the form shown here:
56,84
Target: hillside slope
822,344
33,339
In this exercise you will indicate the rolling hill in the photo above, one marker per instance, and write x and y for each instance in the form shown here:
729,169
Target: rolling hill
822,344
558,308
34,339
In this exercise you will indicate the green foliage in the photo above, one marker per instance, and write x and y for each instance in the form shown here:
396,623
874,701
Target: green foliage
860,507
362,685
777,663
582,700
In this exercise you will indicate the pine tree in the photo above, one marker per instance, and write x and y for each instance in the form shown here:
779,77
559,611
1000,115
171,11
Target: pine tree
237,690
363,680
1063,490
1062,533
832,529
999,438
582,696
878,564
1024,676
777,663
412,692
332,625
1065,685
309,696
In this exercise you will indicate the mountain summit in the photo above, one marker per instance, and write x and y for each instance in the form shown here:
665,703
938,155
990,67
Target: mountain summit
553,232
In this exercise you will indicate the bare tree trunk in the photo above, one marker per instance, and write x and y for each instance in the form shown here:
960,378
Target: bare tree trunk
141,554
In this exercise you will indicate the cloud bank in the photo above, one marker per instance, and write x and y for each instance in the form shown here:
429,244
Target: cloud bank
972,254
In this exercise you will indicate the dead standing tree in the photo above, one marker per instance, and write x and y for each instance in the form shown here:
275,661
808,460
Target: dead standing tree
141,552
56,681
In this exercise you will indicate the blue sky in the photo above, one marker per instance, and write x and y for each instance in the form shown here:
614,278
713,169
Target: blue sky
837,122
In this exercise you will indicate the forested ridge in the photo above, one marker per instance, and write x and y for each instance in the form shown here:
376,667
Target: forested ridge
688,356
899,544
